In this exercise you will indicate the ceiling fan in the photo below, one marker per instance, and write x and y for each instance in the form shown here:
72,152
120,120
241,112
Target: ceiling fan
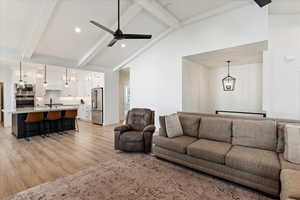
118,34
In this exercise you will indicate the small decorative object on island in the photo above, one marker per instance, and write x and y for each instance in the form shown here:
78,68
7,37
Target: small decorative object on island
45,77
228,81
21,82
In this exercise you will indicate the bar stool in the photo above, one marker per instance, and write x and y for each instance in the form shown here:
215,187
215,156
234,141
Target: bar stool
51,117
72,114
31,118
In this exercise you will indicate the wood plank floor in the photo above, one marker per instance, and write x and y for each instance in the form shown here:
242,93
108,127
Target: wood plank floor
26,164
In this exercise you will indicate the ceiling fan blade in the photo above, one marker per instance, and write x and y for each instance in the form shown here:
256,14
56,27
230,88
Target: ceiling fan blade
136,36
112,42
102,27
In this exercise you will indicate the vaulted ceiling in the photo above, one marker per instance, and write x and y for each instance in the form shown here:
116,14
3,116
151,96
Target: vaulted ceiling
43,32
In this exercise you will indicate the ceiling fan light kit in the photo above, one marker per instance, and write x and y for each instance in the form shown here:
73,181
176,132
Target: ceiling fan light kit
118,34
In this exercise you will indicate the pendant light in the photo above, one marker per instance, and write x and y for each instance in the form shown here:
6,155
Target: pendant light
229,81
21,82
45,76
67,83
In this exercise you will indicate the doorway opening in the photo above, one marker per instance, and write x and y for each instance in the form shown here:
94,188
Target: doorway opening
203,74
1,104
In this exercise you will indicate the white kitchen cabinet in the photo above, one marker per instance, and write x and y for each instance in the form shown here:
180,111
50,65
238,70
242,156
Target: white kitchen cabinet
84,112
54,80
97,80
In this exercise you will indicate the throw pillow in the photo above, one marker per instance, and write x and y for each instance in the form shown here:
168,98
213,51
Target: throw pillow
173,126
292,143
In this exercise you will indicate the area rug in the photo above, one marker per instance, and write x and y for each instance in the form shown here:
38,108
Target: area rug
138,177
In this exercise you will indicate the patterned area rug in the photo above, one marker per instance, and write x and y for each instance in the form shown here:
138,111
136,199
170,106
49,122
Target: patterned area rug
137,176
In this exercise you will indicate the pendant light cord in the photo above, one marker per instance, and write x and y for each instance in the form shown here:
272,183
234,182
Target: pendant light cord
20,71
228,67
45,74
66,76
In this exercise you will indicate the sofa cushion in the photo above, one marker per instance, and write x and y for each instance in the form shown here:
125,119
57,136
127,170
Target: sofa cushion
254,161
255,133
162,123
290,184
178,144
131,136
190,125
280,137
173,125
209,150
214,128
286,164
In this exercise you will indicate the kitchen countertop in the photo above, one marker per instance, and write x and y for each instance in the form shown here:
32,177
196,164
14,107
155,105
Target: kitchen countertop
40,109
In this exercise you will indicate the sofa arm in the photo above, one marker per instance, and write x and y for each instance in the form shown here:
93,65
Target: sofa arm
122,129
149,128
148,141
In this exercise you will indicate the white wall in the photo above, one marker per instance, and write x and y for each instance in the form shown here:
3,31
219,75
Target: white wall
6,75
281,95
195,87
123,83
111,98
247,95
156,76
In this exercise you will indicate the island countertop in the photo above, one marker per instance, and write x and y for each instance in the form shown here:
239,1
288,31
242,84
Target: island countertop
40,109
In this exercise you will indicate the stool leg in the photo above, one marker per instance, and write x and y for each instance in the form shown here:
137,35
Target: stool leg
77,126
42,129
48,129
57,127
26,133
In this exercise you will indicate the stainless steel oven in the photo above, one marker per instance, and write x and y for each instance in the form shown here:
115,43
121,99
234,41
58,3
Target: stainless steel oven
25,96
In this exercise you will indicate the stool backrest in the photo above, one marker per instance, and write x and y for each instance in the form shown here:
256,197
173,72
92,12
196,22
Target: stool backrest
70,114
34,117
53,115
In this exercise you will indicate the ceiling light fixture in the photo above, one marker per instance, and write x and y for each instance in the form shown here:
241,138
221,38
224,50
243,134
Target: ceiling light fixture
45,76
77,30
228,81
123,45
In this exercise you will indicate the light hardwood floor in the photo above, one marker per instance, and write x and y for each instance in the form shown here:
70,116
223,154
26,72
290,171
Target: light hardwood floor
26,164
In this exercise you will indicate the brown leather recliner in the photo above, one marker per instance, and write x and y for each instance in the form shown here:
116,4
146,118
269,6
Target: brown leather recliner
136,134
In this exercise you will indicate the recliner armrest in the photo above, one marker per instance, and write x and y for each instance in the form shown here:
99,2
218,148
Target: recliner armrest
149,128
122,128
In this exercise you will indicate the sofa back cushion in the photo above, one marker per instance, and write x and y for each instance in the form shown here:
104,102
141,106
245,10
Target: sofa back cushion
163,128
214,128
255,133
190,125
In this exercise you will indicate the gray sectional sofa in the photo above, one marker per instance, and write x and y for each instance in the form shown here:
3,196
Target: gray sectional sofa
244,150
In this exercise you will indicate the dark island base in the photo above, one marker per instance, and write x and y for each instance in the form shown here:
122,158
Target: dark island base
20,128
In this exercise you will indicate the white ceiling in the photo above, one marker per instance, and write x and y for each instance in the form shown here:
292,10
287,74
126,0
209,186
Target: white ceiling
241,55
33,26
184,10
285,7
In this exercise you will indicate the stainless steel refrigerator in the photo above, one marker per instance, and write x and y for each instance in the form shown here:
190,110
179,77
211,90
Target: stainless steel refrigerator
97,106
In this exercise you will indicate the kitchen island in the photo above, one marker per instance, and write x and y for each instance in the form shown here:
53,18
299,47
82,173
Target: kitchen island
20,128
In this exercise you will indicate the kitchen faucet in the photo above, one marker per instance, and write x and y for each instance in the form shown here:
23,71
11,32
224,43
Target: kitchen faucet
50,103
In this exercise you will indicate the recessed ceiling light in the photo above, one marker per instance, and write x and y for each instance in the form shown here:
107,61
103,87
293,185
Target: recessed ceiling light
77,30
123,45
